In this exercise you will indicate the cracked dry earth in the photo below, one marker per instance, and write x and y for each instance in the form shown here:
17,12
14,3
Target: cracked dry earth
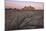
15,20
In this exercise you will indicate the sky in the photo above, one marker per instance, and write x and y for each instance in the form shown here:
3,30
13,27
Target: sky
21,4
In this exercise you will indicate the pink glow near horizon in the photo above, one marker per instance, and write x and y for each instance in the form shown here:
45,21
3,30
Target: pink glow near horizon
19,4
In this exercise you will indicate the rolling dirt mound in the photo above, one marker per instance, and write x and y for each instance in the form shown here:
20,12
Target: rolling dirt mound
24,19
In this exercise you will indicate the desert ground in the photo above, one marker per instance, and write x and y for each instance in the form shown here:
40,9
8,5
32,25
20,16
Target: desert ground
15,20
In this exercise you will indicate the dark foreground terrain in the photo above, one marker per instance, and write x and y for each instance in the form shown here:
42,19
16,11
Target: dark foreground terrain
24,19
